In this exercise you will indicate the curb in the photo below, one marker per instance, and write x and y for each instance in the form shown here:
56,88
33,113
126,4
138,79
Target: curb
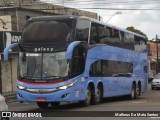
10,96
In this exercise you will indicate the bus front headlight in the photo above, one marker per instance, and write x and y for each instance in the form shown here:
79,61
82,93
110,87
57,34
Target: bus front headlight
63,87
21,87
67,86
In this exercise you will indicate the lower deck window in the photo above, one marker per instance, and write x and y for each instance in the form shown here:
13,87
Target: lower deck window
108,68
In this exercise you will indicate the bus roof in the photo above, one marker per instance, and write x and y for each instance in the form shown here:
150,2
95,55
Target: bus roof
56,17
60,17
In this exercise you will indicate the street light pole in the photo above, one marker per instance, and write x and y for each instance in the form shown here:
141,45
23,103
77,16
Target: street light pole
63,3
113,15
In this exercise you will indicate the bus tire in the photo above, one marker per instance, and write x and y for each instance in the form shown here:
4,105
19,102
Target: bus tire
97,96
133,94
87,102
139,89
43,104
55,104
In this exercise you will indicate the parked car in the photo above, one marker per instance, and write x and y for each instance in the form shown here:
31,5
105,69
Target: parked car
3,106
156,81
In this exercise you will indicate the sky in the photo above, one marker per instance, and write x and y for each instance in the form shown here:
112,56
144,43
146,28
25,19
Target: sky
145,18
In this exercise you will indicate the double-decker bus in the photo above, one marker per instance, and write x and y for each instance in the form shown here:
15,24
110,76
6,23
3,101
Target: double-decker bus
71,58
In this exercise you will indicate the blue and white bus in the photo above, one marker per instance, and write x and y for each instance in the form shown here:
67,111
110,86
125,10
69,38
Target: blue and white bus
71,58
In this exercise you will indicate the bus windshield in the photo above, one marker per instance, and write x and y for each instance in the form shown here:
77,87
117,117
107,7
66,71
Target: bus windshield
48,32
43,65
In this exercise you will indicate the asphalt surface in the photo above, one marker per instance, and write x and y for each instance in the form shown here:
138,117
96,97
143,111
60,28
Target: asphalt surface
150,101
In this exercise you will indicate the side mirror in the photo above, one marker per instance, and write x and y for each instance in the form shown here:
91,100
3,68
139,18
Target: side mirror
6,50
70,49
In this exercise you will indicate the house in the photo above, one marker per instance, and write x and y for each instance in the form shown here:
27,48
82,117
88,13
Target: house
153,47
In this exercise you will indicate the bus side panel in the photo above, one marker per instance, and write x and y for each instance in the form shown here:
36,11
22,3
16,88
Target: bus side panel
114,86
144,64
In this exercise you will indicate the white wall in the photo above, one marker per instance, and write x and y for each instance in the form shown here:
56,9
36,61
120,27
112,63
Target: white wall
9,74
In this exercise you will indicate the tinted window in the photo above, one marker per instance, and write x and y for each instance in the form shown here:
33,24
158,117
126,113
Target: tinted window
107,38
115,38
94,34
96,69
82,30
48,31
110,68
111,36
105,35
78,61
140,44
128,41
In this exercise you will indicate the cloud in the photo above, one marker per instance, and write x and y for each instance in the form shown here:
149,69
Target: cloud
145,20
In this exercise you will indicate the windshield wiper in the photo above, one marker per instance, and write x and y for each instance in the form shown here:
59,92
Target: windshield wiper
51,76
55,77
24,77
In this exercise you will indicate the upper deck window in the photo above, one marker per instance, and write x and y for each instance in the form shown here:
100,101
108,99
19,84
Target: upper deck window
48,31
101,34
82,30
140,44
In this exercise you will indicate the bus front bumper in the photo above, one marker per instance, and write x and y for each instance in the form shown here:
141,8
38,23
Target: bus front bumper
67,95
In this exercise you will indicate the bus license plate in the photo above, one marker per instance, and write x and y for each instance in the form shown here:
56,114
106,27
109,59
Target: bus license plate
41,99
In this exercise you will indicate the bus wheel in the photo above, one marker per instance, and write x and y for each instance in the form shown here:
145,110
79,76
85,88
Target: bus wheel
139,89
55,104
98,96
42,104
133,93
87,102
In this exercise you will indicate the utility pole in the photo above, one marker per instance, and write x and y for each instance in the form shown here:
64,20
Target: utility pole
99,18
157,67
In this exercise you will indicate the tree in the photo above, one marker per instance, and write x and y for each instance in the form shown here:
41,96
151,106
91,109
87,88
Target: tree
132,29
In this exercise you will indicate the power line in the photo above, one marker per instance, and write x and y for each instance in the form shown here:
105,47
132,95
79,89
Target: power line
99,8
102,8
121,8
79,2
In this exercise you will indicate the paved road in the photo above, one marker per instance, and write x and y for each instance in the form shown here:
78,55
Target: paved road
149,101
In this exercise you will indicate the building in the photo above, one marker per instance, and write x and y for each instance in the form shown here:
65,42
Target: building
13,15
153,45
9,69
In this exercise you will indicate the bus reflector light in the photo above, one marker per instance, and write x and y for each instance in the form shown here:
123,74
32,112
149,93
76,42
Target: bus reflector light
65,95
41,99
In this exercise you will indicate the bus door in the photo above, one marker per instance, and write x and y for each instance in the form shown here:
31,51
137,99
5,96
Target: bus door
77,62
